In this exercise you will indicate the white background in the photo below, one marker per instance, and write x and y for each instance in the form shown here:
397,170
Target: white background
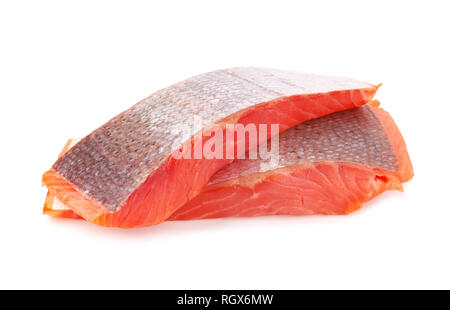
67,67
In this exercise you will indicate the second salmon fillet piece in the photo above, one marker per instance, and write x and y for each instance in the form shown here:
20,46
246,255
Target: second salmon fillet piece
330,165
124,173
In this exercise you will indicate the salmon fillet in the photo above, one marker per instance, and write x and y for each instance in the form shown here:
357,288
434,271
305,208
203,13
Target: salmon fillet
330,165
124,173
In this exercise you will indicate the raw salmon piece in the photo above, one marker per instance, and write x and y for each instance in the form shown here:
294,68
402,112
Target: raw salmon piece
52,205
329,165
124,173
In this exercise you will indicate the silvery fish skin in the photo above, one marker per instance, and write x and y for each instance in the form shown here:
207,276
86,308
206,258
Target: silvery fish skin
109,164
351,136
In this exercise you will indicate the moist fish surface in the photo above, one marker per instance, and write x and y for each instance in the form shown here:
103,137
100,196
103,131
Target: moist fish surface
329,165
124,173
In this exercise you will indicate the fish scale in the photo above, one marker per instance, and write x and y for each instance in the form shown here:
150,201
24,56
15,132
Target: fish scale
354,136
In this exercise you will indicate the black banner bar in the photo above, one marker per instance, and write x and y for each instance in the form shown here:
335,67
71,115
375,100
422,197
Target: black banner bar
213,299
